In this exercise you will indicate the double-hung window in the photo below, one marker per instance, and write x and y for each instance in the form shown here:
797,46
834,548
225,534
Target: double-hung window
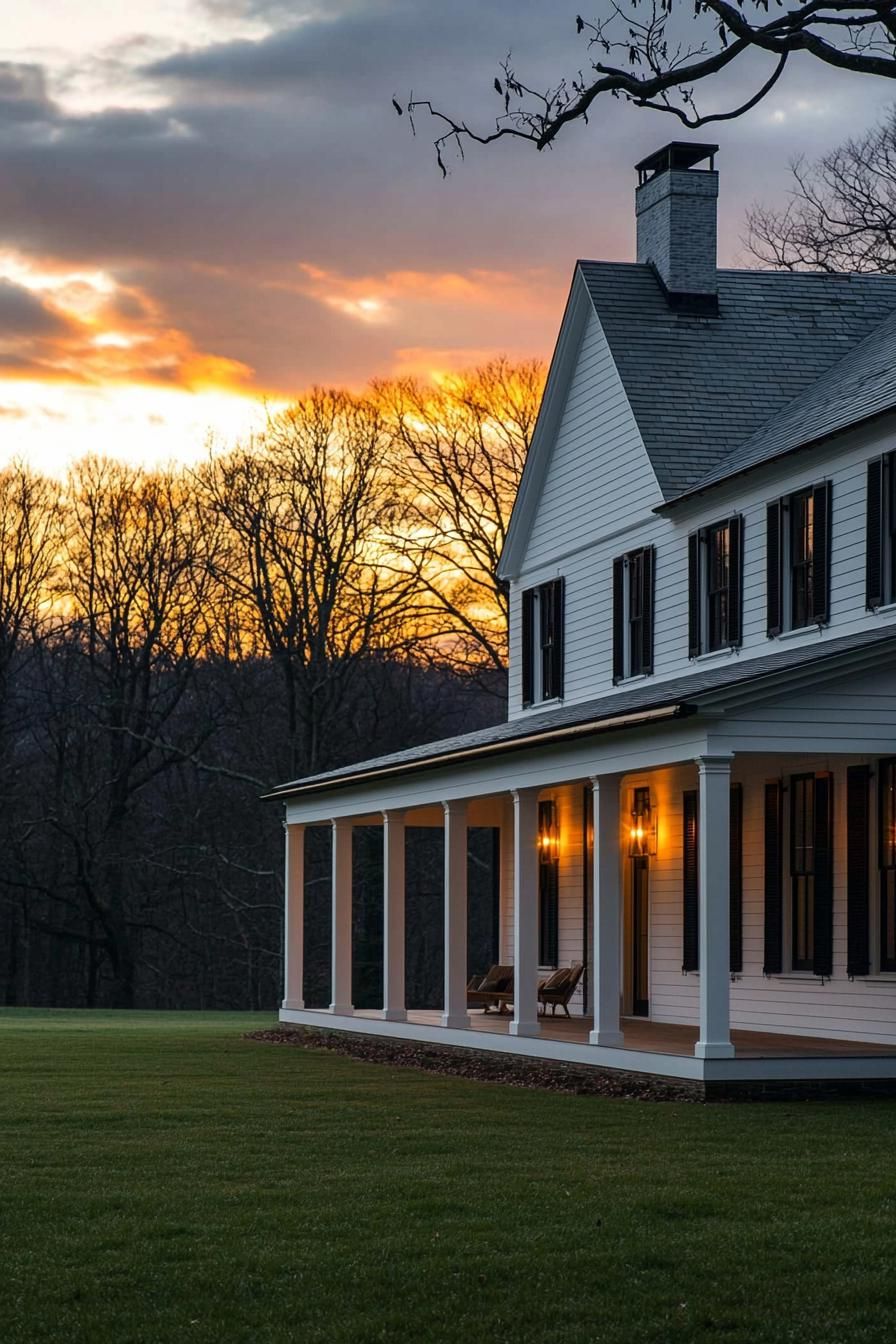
802,558
880,544
798,559
542,651
802,871
715,568
799,922
633,613
870,923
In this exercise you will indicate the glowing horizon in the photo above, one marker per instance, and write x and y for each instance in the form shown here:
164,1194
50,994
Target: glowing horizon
210,206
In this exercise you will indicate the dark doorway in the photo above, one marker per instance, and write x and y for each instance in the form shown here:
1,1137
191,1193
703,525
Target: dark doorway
640,936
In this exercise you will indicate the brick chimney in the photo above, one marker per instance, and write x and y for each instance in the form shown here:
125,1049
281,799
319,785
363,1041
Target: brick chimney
675,206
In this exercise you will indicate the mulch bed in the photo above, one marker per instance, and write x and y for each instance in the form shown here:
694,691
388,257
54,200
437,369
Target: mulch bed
483,1066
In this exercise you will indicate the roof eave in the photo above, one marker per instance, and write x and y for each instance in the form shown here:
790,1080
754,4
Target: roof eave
696,491
662,711
578,306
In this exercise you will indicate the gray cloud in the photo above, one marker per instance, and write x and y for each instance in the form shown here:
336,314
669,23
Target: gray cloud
23,314
23,94
286,150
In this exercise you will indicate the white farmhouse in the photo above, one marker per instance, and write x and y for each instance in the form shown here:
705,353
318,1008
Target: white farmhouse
696,784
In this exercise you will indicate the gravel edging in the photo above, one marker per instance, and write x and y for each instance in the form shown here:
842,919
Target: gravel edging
484,1066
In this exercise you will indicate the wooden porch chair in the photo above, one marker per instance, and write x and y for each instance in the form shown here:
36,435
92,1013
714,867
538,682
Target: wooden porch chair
493,990
559,988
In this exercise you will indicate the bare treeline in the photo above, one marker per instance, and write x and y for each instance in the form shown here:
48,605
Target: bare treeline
174,641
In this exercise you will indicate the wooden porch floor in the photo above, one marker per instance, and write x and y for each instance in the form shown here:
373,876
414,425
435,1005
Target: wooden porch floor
667,1038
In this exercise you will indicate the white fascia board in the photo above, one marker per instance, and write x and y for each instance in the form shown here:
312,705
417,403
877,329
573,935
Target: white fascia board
578,309
657,743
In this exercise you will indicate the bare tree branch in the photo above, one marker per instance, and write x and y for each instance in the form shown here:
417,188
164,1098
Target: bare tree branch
654,53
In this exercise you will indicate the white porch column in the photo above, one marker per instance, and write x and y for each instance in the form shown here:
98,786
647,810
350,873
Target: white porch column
341,986
525,913
393,917
713,884
607,918
455,1004
294,941
505,879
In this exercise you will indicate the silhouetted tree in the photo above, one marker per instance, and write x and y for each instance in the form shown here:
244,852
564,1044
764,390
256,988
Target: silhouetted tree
459,451
842,215
310,506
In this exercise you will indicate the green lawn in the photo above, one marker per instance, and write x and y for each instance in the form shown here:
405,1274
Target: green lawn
165,1180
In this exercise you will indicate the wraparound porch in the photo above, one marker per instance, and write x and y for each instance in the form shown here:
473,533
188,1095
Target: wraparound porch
661,1048
688,764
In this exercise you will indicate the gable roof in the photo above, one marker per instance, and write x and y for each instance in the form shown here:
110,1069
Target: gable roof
703,388
861,386
617,710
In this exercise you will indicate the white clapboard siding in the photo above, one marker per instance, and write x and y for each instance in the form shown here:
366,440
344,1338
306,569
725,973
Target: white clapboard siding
799,1004
599,478
599,472
589,538
861,1010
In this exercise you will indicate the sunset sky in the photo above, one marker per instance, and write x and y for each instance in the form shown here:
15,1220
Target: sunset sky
206,205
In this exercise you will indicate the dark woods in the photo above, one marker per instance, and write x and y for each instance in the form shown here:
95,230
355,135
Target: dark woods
174,642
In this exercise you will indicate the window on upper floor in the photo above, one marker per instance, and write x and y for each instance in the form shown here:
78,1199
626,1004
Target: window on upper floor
880,543
542,626
633,613
715,567
798,559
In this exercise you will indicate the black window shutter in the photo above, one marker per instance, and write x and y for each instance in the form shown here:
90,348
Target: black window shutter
558,598
618,619
874,536
823,951
735,579
648,565
694,541
773,884
773,568
821,552
858,870
735,878
690,957
528,644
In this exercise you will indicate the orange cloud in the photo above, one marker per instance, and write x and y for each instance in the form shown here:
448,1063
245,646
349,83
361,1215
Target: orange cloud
90,329
387,297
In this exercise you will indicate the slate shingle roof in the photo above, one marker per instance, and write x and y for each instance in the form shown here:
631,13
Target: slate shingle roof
684,692
702,388
863,384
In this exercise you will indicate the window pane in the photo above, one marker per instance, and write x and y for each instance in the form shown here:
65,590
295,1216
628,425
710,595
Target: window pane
802,866
548,636
803,923
802,547
887,784
888,920
718,549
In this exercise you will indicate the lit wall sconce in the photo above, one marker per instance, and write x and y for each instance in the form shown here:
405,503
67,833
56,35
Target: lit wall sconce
642,831
548,832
